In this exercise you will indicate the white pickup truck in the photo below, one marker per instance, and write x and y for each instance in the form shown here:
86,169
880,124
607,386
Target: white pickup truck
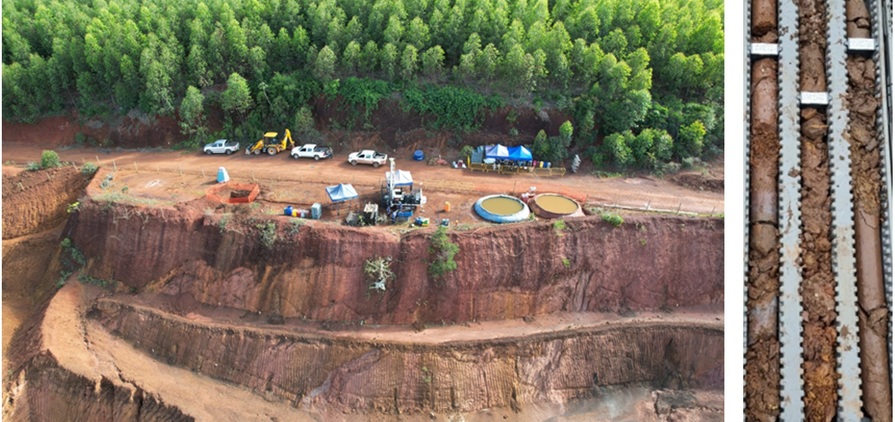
221,146
367,156
312,151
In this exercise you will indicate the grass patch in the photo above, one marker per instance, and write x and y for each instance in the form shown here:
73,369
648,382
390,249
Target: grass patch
559,226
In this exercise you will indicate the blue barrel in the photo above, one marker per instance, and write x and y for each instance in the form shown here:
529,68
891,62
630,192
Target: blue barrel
316,211
418,155
287,211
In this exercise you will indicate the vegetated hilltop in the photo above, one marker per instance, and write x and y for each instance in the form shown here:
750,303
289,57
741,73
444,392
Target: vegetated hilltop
641,80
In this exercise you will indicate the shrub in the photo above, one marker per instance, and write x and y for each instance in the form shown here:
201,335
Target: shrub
88,169
466,151
49,159
443,251
613,218
268,233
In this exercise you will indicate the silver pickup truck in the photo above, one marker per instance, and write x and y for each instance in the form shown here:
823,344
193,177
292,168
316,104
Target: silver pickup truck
367,156
221,146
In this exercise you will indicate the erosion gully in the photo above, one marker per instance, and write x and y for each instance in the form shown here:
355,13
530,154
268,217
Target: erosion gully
818,280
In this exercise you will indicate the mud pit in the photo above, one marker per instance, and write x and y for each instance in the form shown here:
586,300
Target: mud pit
194,295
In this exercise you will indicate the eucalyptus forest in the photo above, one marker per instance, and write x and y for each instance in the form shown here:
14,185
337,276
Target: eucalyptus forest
641,81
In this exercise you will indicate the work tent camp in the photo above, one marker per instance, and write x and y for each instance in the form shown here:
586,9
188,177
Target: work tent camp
519,153
341,192
399,177
498,151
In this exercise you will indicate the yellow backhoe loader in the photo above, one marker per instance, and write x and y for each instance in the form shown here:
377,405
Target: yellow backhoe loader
257,147
274,147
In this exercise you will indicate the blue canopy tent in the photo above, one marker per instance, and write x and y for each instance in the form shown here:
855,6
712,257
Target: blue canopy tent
519,153
498,152
341,192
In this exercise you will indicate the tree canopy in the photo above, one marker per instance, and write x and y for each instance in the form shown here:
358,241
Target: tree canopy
616,65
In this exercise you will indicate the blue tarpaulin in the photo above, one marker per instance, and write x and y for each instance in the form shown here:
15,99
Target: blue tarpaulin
519,153
500,152
341,192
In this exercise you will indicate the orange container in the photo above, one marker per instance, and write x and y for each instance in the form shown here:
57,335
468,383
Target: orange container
447,206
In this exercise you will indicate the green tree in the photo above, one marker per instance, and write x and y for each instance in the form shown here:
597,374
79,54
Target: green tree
417,33
325,66
408,62
663,146
370,57
258,63
617,146
642,149
389,60
303,121
394,31
433,61
690,140
351,57
236,100
198,68
487,61
192,119
518,70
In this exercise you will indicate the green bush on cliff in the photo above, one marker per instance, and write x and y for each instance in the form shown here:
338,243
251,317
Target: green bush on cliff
442,250
268,233
613,218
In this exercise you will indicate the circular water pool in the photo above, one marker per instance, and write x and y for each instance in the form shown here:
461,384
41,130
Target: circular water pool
501,209
551,205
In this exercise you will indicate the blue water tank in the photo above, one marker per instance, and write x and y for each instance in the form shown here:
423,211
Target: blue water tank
316,211
287,211
418,155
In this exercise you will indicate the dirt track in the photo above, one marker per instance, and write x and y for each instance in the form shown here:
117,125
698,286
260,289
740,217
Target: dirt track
164,174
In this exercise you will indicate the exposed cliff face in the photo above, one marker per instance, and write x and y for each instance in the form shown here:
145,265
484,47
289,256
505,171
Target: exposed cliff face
50,377
37,200
315,270
34,213
49,392
339,374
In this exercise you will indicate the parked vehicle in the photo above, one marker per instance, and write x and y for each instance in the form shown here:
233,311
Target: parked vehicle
270,144
367,156
312,151
221,146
